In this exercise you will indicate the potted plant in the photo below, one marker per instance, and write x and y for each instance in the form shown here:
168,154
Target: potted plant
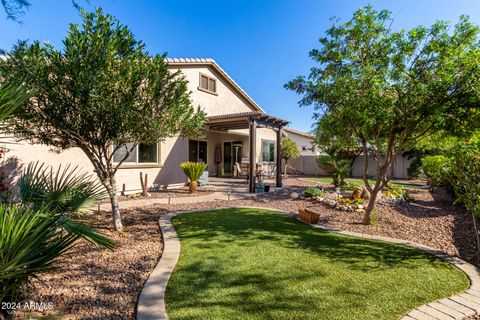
308,216
193,171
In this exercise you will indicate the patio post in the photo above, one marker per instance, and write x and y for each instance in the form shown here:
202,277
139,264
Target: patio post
252,166
279,157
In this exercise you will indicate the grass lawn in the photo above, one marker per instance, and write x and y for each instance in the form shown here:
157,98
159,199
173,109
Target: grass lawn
360,182
258,264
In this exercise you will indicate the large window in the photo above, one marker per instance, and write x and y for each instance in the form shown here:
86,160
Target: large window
268,151
143,153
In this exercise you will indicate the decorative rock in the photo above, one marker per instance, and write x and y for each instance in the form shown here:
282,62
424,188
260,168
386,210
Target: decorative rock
365,193
357,193
360,210
294,195
360,206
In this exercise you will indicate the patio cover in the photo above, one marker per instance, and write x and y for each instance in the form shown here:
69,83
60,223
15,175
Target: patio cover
251,121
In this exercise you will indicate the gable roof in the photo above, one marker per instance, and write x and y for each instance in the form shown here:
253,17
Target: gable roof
301,133
214,65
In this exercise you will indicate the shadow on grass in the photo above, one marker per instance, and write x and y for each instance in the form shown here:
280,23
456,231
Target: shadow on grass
245,228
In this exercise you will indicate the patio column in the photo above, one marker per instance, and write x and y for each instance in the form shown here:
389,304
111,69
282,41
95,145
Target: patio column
279,157
252,168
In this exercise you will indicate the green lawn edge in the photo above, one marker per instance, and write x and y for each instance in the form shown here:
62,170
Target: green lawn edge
260,264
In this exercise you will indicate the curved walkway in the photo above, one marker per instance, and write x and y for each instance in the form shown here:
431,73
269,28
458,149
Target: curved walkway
151,303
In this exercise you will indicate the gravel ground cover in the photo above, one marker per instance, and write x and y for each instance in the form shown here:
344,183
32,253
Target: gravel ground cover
101,284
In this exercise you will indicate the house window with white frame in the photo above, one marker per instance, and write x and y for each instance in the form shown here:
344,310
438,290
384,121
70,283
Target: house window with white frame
142,153
268,151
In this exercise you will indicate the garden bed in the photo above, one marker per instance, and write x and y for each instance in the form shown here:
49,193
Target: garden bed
92,283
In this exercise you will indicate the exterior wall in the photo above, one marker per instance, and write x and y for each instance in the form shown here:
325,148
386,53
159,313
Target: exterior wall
303,142
226,101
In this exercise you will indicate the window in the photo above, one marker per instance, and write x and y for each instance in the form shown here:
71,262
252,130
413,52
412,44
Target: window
143,153
197,151
207,84
268,150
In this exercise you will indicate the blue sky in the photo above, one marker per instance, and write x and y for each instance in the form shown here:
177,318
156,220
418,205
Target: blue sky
261,44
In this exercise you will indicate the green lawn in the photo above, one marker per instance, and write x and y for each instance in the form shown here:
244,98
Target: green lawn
258,264
359,181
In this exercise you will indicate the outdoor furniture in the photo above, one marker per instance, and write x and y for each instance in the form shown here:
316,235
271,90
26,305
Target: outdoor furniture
241,173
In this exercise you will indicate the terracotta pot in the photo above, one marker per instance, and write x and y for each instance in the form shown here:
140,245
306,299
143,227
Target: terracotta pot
193,186
308,216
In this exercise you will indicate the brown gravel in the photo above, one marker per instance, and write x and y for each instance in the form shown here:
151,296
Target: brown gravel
101,284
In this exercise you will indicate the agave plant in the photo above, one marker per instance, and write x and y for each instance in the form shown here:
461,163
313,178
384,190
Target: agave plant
193,171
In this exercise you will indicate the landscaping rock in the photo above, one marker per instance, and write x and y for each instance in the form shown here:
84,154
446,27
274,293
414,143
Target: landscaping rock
294,195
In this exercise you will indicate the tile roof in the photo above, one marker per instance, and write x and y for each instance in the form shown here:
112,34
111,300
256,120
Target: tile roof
299,132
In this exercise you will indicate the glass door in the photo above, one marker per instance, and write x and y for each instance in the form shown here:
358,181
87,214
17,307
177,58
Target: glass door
227,158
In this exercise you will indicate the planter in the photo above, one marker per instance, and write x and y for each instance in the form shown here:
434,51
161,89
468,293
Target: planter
267,188
259,188
193,186
308,216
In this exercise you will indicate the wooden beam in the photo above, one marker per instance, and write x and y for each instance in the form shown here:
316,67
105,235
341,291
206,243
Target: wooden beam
253,153
279,157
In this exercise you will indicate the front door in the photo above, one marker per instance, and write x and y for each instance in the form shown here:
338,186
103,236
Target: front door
227,158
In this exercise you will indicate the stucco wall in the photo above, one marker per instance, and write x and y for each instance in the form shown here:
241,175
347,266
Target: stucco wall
302,142
224,102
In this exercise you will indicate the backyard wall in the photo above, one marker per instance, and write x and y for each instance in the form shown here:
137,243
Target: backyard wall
400,167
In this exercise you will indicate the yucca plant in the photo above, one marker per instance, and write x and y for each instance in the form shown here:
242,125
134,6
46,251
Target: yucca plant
30,243
193,171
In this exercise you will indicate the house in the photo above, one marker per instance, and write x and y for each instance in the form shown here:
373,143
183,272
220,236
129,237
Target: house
304,140
237,130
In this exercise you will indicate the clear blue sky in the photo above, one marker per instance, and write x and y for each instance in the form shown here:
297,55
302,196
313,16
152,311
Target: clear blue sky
262,44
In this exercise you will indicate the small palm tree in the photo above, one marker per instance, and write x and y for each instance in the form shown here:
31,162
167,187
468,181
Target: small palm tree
193,171
47,223
337,167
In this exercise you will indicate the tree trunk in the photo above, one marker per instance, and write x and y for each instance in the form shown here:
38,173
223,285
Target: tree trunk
112,192
370,207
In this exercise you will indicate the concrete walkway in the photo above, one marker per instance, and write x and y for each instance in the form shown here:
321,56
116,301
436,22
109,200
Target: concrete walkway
218,194
151,304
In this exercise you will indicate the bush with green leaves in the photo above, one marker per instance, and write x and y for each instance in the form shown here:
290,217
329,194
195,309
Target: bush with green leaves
436,169
47,223
193,170
335,165
313,192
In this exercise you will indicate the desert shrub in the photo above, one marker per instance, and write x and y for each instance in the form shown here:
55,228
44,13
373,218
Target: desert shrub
397,194
313,192
436,169
464,176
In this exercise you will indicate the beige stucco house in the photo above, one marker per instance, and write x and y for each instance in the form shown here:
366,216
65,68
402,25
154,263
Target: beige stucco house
238,130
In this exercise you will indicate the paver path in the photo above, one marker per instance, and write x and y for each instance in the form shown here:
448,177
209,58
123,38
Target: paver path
151,303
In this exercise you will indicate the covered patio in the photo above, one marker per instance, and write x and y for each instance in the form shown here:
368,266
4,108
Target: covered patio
252,121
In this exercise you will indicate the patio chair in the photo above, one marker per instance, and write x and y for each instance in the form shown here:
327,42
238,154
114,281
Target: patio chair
241,173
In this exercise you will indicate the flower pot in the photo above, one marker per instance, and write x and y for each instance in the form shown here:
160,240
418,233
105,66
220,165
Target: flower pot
267,188
193,186
308,216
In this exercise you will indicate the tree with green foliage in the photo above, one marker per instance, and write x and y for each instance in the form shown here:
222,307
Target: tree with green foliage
289,151
103,93
389,89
